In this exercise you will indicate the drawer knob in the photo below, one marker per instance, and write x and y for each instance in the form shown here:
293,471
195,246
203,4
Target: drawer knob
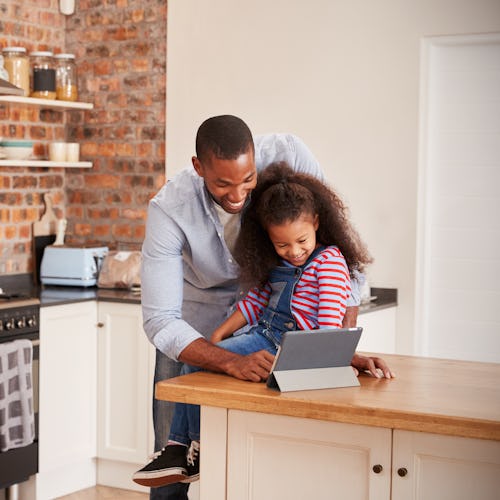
100,324
377,468
402,472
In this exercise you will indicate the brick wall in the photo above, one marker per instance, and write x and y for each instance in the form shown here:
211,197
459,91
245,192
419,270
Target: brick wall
36,25
120,49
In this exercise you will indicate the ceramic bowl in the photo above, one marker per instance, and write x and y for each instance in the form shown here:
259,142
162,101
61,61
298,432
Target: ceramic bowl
17,150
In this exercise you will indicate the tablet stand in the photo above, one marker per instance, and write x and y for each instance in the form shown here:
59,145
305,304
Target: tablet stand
313,378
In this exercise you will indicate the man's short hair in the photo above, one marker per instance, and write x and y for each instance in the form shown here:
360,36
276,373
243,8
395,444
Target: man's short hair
226,137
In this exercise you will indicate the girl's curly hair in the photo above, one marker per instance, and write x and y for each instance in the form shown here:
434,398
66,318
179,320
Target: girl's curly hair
283,195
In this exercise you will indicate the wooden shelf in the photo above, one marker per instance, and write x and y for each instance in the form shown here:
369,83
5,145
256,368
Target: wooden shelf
45,163
48,103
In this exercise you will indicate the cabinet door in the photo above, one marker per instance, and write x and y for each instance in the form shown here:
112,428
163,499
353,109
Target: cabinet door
68,389
288,458
379,331
126,360
444,467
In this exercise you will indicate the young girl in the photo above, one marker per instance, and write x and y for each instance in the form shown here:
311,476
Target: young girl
296,250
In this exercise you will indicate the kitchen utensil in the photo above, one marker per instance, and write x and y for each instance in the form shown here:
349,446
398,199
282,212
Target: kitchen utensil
44,233
61,231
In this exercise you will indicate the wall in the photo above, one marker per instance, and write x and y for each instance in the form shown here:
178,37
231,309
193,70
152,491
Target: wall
121,45
342,75
120,48
21,23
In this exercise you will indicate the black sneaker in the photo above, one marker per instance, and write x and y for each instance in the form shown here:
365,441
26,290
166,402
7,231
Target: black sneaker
169,465
193,463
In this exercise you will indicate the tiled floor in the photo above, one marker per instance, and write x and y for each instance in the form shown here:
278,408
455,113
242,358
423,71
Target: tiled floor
105,493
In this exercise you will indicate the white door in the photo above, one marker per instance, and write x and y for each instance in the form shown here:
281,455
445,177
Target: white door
288,458
458,274
432,467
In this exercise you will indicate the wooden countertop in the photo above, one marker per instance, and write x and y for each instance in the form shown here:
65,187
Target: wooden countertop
429,395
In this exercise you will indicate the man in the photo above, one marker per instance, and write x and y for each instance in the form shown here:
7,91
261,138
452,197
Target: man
189,277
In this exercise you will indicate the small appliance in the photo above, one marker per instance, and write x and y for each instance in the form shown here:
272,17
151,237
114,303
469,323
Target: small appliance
71,266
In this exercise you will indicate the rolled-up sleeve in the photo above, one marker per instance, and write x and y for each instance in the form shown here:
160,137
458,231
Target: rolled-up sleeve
162,284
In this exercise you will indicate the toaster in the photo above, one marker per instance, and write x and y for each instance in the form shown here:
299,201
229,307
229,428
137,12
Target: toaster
71,266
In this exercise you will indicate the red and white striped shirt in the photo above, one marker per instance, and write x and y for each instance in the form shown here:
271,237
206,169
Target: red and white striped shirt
320,296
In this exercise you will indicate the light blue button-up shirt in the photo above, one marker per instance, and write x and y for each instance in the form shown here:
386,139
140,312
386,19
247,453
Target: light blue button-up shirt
189,277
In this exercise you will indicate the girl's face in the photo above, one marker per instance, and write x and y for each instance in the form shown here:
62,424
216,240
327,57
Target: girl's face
295,240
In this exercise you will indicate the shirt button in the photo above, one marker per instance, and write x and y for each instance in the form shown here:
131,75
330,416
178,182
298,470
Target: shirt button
230,261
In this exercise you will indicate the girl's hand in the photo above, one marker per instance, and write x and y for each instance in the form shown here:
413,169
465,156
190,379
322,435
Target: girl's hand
216,337
377,367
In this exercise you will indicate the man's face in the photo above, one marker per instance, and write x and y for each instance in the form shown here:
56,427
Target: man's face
228,181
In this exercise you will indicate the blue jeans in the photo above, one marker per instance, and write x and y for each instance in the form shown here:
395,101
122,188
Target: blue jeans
185,425
162,414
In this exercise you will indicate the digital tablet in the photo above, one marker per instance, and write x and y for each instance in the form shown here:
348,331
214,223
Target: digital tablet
308,354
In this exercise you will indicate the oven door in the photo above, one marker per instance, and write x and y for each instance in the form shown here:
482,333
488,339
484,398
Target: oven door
18,464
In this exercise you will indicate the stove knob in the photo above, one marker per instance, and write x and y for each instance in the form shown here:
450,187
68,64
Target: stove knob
31,321
21,323
9,325
1,325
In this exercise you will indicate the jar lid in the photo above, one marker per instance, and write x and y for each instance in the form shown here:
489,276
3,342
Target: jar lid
64,56
41,53
14,49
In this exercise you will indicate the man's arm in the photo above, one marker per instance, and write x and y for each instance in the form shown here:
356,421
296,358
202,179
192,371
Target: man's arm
253,367
162,285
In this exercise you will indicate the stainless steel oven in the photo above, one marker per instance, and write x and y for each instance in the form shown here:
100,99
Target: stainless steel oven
19,319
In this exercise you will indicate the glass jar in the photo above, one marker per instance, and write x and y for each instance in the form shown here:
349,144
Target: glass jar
43,73
17,65
66,79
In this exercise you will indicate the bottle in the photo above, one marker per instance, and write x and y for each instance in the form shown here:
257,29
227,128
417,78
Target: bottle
43,75
66,78
17,65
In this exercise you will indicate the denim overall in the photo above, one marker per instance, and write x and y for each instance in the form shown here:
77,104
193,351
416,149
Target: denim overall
276,319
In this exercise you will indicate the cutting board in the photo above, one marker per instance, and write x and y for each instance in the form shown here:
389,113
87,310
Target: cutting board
44,233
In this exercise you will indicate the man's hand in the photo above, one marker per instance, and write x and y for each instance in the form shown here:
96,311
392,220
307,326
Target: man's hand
254,367
371,364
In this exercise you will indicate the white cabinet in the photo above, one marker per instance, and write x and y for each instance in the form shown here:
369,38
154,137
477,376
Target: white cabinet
290,458
125,374
287,458
379,331
68,390
433,467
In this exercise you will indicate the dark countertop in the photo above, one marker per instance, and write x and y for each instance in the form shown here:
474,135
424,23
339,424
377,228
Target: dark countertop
54,295
58,295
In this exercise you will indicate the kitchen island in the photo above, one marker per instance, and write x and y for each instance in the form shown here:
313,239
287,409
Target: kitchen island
431,433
